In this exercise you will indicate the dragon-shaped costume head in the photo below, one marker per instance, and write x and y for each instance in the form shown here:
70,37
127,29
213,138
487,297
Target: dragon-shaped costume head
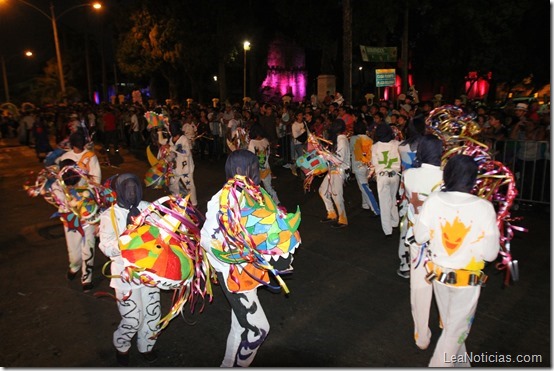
258,236
162,248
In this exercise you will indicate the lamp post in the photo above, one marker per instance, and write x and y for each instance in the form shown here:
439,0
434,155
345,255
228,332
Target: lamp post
28,54
246,48
53,19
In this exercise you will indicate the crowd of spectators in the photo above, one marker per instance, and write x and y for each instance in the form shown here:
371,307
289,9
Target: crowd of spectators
518,132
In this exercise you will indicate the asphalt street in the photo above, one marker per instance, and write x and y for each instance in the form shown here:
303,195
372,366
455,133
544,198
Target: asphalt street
346,308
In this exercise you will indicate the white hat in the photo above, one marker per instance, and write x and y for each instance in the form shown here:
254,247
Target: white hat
406,107
522,106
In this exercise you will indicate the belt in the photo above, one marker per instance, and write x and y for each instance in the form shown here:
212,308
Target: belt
390,174
455,277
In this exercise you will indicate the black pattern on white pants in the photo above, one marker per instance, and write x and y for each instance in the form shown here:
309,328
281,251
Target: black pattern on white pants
140,314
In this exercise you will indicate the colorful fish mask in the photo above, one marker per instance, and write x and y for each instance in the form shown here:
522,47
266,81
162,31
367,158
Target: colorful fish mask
155,120
162,248
162,243
81,203
312,163
42,185
259,238
158,175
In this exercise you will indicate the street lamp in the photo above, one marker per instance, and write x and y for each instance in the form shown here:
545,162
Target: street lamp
28,54
53,18
246,48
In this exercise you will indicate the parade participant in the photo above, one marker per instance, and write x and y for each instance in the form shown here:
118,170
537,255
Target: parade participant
462,233
360,150
416,185
84,158
79,234
237,135
181,181
331,189
261,148
74,123
80,246
138,304
386,161
407,149
239,250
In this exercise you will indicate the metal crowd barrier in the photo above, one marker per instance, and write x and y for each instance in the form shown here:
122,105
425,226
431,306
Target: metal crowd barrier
529,161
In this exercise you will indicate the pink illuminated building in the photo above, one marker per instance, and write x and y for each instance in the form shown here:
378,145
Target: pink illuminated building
286,74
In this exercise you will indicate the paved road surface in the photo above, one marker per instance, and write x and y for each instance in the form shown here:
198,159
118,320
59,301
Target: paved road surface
347,306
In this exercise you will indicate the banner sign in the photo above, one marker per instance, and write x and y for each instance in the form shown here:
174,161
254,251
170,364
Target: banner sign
385,77
385,54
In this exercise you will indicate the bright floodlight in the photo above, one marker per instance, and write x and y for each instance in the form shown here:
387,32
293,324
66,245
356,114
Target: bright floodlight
97,5
247,45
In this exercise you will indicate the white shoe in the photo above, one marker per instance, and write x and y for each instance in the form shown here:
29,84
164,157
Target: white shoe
403,274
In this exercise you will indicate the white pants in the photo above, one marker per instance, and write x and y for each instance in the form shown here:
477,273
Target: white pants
267,185
183,185
457,307
331,192
140,314
249,327
421,295
80,251
387,187
368,199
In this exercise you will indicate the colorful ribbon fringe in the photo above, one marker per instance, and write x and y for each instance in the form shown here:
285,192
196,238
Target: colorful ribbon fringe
495,181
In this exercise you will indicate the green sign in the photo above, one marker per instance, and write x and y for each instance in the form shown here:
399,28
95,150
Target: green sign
373,54
385,77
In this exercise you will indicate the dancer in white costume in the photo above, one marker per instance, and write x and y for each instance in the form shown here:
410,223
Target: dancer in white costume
237,262
138,304
462,234
360,151
386,161
416,185
407,149
180,147
331,189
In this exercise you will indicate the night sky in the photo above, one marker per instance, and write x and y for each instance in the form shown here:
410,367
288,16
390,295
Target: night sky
22,28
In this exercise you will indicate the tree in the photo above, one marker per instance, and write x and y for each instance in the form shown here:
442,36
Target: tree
180,39
151,45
